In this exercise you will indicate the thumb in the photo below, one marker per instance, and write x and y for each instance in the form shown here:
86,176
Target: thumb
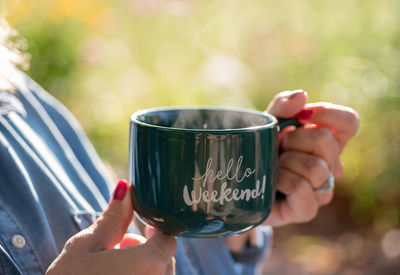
161,248
109,229
164,244
159,240
287,104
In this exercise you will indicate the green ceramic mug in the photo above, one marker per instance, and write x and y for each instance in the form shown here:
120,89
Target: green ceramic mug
203,172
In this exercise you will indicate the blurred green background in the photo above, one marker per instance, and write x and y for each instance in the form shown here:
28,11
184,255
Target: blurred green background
107,59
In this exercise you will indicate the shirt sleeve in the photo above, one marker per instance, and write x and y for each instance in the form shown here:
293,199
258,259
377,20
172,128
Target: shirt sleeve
73,132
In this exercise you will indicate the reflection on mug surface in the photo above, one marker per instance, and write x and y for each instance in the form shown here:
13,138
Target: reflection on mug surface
203,172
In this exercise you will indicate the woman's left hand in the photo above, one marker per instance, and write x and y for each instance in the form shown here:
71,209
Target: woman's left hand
309,155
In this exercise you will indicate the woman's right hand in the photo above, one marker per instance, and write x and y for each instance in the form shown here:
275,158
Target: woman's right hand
91,251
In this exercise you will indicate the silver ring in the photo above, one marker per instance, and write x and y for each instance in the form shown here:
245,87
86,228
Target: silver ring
329,185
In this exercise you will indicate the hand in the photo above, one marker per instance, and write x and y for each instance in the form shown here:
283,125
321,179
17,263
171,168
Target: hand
91,250
310,154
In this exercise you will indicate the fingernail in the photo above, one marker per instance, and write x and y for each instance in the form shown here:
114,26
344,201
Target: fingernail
291,94
304,114
120,190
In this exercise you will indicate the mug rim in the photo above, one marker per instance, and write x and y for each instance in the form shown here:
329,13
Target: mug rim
274,121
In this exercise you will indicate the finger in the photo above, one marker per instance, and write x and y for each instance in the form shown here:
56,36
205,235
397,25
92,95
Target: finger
313,168
324,198
162,245
287,104
149,231
317,141
343,121
155,256
300,205
131,239
171,267
109,229
339,170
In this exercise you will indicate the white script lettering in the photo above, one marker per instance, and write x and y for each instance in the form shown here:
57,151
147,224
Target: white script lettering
226,194
209,176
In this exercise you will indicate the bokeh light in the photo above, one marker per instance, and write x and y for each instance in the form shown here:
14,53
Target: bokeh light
107,59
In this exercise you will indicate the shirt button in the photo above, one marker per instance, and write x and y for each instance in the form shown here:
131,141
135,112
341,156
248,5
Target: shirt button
18,241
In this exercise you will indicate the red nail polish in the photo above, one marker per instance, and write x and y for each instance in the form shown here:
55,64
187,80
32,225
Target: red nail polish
120,190
304,114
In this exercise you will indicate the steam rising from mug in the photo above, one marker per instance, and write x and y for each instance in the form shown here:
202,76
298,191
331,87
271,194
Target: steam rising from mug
203,119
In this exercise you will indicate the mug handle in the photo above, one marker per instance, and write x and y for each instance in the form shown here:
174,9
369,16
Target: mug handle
283,123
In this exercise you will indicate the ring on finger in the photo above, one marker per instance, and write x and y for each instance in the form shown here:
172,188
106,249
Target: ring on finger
328,186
